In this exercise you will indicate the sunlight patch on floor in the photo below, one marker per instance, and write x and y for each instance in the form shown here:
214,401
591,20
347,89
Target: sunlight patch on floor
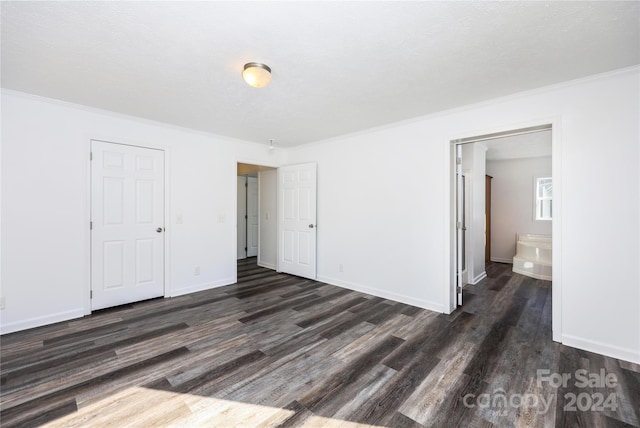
144,407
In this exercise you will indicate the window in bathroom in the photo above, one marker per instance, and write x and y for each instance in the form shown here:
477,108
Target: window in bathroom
544,198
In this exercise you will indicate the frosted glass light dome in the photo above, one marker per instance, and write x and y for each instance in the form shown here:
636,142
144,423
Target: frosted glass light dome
256,74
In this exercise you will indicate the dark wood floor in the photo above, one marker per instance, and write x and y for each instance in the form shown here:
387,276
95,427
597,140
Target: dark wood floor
277,350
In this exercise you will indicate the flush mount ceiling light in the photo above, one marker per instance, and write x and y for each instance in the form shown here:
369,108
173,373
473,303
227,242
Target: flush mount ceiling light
256,74
271,146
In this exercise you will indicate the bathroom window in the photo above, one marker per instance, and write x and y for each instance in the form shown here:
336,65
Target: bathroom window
544,198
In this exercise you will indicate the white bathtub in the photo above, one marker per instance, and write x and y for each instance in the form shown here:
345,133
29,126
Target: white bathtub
533,256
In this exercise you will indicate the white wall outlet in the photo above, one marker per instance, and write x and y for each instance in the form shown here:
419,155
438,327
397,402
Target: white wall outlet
179,219
221,218
340,267
2,302
196,270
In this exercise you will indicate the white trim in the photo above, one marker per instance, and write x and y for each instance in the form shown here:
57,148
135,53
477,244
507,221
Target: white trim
626,354
556,229
396,297
501,260
449,302
41,321
86,232
479,278
115,114
273,165
472,106
203,286
267,265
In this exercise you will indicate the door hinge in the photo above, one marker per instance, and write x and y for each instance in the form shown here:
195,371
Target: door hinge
91,294
90,156
90,225
459,225
458,161
458,289
246,184
246,217
245,249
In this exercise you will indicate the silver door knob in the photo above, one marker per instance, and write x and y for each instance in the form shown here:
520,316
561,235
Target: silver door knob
159,230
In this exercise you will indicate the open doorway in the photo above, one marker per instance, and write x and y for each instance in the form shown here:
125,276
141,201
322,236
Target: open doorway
256,214
509,166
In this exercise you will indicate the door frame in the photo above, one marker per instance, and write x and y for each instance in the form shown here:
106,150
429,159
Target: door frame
235,202
555,123
86,215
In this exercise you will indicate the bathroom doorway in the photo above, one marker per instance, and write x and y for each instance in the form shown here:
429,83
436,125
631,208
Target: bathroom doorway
502,155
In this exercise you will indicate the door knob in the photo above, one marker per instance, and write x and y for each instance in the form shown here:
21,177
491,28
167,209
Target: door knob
311,226
159,230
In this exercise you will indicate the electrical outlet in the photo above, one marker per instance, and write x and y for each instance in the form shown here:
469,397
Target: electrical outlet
196,270
340,267
179,219
221,218
2,302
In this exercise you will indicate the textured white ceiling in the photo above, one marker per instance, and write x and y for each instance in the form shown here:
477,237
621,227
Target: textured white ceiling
338,67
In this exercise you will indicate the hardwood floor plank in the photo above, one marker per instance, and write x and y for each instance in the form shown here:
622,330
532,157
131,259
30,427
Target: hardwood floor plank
383,404
330,388
335,310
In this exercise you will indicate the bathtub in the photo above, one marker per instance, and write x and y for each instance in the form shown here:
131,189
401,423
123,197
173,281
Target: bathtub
533,256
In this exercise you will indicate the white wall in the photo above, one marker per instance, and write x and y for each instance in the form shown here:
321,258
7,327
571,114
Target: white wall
45,176
473,165
267,181
513,203
389,222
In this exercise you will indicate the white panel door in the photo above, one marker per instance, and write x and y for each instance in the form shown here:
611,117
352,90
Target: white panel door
252,217
297,220
127,216
241,224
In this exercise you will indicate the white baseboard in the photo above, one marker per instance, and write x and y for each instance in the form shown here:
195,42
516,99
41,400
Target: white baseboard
479,278
201,287
396,297
41,321
501,260
620,353
267,265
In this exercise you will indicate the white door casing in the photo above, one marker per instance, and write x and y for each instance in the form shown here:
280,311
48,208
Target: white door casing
252,217
241,224
127,224
297,220
459,224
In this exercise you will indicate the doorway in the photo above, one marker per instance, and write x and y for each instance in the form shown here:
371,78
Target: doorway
256,214
248,218
286,220
497,142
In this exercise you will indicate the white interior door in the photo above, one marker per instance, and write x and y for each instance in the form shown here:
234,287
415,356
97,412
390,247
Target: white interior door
127,221
460,229
297,220
241,224
252,217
